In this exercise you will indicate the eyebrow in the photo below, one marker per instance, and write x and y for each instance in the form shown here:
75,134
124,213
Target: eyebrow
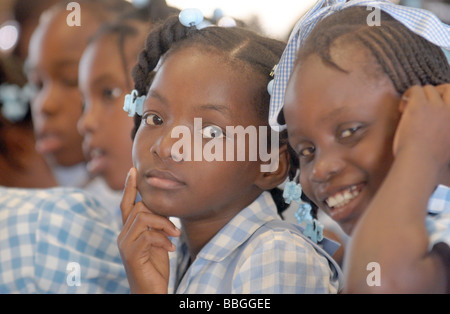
27,67
334,113
154,94
224,110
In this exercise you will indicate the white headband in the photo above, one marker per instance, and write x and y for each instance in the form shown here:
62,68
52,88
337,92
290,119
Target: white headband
420,21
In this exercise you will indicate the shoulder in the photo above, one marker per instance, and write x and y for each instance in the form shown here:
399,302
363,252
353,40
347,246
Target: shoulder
62,200
285,261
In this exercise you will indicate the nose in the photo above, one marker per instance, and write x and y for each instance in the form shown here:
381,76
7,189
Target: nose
46,102
327,164
89,121
170,147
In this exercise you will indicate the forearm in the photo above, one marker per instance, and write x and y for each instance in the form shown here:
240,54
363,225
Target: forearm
392,232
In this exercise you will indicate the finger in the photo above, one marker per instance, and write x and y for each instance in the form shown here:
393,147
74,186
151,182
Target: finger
129,194
433,95
444,90
144,221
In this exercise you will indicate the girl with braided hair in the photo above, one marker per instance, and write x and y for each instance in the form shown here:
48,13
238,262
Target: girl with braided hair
232,239
105,127
52,68
367,109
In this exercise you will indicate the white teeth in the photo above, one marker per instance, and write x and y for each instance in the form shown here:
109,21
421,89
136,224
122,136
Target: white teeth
342,198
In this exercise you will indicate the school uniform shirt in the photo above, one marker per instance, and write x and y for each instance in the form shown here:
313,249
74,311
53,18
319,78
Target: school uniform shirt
58,240
438,218
276,261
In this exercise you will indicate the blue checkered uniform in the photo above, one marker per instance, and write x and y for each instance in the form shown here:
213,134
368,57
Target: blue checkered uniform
43,231
438,218
277,260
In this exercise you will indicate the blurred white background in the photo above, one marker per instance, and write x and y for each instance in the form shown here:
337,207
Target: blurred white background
276,18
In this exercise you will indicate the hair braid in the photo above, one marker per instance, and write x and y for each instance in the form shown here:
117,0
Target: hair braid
157,44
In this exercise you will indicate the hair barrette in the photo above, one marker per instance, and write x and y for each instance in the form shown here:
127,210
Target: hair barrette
134,104
292,192
191,17
272,75
303,212
16,101
314,230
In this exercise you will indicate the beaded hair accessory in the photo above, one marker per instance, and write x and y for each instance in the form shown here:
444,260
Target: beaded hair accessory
192,17
314,229
15,101
134,104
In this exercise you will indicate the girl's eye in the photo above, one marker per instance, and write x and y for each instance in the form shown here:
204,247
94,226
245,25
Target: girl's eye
307,152
111,93
349,132
212,131
152,119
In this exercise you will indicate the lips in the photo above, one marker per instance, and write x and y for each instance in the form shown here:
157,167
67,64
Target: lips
47,143
163,179
97,161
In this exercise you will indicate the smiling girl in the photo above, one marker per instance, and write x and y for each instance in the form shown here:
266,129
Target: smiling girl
367,111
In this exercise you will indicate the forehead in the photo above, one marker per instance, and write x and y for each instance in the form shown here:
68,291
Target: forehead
54,40
194,76
320,90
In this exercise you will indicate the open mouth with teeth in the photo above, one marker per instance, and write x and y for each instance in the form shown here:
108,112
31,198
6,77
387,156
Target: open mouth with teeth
343,197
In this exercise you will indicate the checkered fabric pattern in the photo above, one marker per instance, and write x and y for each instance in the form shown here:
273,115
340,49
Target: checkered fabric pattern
438,220
43,231
420,21
275,261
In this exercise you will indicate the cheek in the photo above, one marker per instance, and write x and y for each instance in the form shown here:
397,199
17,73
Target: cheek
376,160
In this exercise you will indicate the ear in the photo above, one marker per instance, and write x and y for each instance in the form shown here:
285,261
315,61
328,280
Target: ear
278,172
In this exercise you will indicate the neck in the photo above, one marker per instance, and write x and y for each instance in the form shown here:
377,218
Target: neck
199,231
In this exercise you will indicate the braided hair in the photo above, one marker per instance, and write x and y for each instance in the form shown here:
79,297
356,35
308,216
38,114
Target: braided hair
406,58
131,24
239,46
396,52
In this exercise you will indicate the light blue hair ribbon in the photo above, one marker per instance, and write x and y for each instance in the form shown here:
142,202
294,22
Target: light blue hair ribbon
421,22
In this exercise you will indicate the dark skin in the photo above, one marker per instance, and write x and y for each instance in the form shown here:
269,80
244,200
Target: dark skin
104,125
383,144
30,170
54,54
204,195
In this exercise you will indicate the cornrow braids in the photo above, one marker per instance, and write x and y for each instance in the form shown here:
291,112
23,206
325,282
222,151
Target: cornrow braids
405,58
241,48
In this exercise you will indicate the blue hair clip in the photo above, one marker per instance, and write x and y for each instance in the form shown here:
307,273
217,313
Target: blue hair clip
134,104
303,212
15,101
191,17
292,192
314,230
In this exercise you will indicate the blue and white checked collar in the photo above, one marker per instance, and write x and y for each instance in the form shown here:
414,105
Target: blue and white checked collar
240,228
440,200
420,21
